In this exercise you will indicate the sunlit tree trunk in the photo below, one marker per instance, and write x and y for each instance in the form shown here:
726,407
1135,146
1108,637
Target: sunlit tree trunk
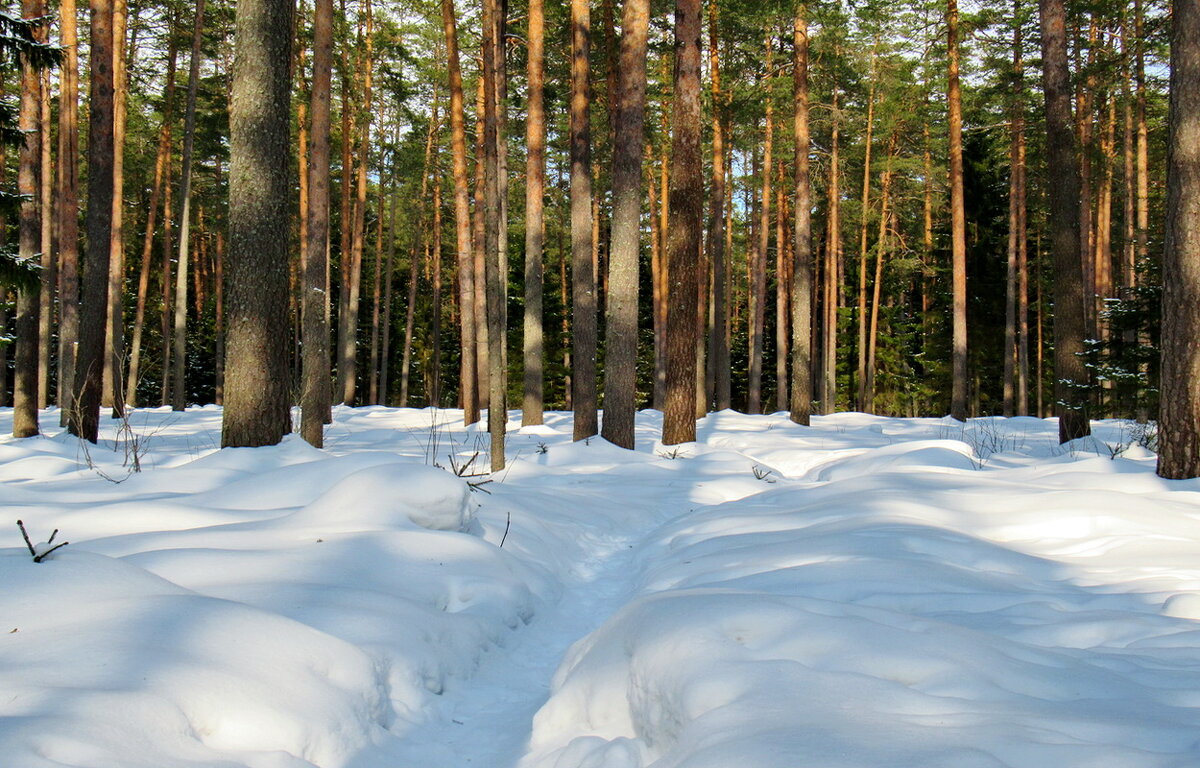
801,390
257,381
583,289
46,238
831,294
864,220
958,225
114,328
25,356
718,336
493,51
68,211
758,265
620,380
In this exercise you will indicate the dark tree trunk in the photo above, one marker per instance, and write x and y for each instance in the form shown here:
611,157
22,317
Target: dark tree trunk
1179,411
1070,375
89,363
620,376
68,213
583,288
683,237
493,55
316,395
25,356
718,338
178,396
256,376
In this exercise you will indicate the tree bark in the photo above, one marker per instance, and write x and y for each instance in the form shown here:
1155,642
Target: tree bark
534,352
583,288
1071,377
833,246
25,356
1015,127
493,55
462,210
68,212
256,376
114,325
958,230
161,170
315,396
49,263
621,332
178,396
683,237
1179,409
801,390
89,363
718,338
758,266
864,219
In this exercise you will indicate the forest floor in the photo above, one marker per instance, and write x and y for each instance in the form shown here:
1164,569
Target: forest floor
867,592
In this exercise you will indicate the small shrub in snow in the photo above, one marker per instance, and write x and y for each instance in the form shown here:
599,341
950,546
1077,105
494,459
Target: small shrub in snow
41,550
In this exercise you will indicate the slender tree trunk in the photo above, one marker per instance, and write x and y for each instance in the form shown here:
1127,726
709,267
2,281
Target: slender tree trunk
462,211
68,212
435,331
533,403
161,163
219,321
1022,405
801,391
1129,249
89,363
881,248
165,316
25,356
1143,134
864,219
1015,126
1071,377
49,263
583,289
687,222
385,362
493,51
659,284
1179,412
758,265
376,300
620,379
718,339
782,290
958,225
178,396
833,246
482,364
257,403
114,326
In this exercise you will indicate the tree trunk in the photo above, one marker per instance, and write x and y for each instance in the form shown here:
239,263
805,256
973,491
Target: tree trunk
376,298
1070,375
881,252
1179,411
178,396
257,401
621,331
583,289
1143,134
478,257
687,222
385,355
958,224
758,265
89,363
25,356
1014,233
161,170
352,267
435,330
114,326
782,290
864,219
718,337
493,54
462,211
801,391
833,246
68,212
534,352
49,263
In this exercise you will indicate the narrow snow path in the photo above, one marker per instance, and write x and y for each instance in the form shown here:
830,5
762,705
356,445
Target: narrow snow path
486,720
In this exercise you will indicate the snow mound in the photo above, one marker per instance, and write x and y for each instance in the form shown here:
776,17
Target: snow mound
379,497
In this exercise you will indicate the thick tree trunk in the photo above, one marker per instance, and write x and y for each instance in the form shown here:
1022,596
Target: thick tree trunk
493,55
89,363
462,210
684,235
1071,377
25,356
1179,410
533,347
958,224
801,390
621,332
257,401
68,212
583,288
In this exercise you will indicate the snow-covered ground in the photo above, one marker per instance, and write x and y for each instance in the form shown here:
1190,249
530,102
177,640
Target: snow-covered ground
865,593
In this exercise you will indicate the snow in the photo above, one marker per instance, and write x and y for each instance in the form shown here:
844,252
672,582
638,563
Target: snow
863,593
